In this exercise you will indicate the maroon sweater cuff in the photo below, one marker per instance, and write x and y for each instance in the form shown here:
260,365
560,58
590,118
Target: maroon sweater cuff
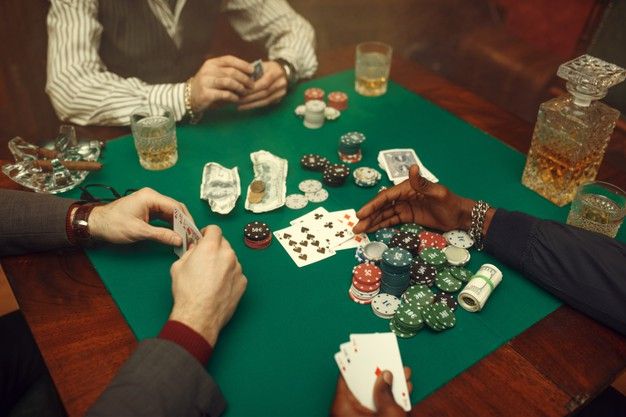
188,339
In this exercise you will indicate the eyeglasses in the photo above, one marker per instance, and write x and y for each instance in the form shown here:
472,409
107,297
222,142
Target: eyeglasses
94,193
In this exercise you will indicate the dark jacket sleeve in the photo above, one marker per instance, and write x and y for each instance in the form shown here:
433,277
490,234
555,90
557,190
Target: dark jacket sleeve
31,222
160,379
586,270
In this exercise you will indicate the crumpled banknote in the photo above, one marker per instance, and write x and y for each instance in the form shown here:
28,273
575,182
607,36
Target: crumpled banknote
272,172
220,187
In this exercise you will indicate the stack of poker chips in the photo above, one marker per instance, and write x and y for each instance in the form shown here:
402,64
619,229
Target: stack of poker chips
407,321
335,174
338,100
422,273
365,283
438,316
314,114
313,162
370,253
405,240
385,305
366,177
257,235
313,94
350,147
395,265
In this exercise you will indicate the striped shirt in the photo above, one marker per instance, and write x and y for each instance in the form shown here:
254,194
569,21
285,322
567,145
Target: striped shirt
84,92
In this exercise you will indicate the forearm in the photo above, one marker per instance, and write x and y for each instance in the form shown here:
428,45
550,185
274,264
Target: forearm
584,269
80,87
160,379
286,34
32,222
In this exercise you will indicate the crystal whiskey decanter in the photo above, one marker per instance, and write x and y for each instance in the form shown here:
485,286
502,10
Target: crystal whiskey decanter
572,131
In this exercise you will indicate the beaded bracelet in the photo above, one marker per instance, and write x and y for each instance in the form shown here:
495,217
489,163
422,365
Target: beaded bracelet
478,220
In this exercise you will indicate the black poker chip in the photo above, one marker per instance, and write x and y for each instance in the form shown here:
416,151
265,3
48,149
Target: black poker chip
422,272
405,240
313,162
335,174
447,299
256,231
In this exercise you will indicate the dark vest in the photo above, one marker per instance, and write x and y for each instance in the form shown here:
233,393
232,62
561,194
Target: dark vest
134,42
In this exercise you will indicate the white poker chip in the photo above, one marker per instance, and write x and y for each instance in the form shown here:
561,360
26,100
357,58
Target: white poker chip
296,201
459,238
300,110
331,113
310,186
318,196
385,305
456,256
373,251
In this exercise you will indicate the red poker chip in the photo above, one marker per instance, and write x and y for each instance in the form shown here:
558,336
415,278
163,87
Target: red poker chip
313,94
365,287
367,274
258,244
338,100
432,240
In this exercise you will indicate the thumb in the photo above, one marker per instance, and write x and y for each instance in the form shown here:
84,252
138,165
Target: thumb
383,397
163,235
418,183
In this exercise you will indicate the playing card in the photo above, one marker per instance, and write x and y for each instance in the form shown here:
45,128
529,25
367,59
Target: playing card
258,70
396,162
303,245
186,229
348,217
318,213
374,353
326,226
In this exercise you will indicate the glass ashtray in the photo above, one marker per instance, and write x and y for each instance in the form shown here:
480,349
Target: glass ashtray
57,180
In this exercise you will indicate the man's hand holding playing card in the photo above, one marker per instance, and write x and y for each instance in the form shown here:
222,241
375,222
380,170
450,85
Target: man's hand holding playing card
346,404
268,89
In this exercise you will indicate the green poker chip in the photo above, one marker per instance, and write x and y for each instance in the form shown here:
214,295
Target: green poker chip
439,317
398,258
446,282
418,295
385,234
411,228
433,256
460,273
400,332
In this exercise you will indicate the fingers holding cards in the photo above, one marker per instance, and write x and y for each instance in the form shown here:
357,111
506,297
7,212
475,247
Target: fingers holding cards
186,229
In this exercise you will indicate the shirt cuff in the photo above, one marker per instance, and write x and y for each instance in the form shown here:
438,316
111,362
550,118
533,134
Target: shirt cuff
509,236
169,95
188,339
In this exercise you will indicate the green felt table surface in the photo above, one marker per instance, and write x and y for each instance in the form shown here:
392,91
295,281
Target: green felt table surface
275,357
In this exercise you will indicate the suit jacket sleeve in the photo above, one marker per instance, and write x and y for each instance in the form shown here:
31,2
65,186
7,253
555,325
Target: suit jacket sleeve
160,379
586,270
32,222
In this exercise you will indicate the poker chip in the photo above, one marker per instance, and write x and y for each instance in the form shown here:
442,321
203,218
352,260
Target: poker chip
412,228
318,196
373,251
257,235
368,274
461,274
397,258
366,177
447,299
422,273
385,305
432,240
418,295
313,162
300,110
335,174
350,158
310,186
350,147
439,317
338,100
296,201
385,234
313,94
456,256
433,256
352,138
405,240
459,238
446,282
331,113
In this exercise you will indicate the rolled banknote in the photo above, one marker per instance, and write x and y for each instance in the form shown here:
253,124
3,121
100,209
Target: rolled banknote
220,187
272,172
475,294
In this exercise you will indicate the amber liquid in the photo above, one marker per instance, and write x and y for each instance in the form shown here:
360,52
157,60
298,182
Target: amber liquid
155,140
158,158
567,147
596,213
371,86
372,72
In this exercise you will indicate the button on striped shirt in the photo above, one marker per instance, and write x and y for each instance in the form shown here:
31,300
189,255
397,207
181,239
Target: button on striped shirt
84,92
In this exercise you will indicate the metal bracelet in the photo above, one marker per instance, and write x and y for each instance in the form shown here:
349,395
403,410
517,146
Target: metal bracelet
193,116
478,220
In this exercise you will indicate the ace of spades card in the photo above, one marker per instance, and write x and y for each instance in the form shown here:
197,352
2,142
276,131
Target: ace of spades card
303,244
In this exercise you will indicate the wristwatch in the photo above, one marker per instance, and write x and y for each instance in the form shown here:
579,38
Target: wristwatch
289,70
